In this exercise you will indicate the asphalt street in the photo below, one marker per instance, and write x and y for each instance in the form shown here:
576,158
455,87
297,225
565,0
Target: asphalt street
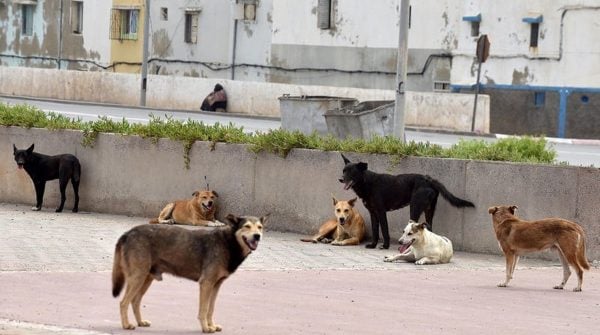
575,152
55,279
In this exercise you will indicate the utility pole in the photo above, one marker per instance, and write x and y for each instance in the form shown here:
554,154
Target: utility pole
145,55
401,66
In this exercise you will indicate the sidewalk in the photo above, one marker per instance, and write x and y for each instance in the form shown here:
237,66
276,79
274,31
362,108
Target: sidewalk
55,279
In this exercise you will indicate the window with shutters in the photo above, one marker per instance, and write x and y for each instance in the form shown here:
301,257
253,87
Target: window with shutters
77,17
191,26
124,23
324,14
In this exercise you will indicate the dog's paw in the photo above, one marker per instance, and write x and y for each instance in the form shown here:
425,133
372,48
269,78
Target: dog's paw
502,284
217,328
144,323
326,240
577,289
371,245
218,223
558,287
36,209
170,221
388,259
337,243
129,327
209,329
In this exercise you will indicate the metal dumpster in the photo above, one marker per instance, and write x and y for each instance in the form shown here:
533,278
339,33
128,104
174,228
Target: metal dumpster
305,112
361,120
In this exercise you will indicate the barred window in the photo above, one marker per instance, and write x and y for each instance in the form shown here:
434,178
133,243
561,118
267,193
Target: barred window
324,12
124,24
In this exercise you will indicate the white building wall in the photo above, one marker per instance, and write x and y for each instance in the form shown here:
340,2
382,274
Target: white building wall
96,23
569,39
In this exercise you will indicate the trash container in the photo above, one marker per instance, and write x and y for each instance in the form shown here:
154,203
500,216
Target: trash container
361,120
305,112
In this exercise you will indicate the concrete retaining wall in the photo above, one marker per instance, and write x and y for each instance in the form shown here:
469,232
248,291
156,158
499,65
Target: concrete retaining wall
134,176
439,110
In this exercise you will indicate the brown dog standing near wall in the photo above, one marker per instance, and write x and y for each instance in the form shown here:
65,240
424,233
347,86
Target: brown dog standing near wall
517,237
198,211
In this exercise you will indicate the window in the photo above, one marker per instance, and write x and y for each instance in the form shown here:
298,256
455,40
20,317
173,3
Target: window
164,13
124,24
191,26
77,17
324,11
534,22
441,86
535,32
474,29
27,20
249,11
475,21
539,99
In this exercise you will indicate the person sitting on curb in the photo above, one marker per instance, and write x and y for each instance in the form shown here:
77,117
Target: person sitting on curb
216,100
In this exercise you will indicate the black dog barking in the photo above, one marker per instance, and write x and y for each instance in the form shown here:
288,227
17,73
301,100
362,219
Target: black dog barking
42,168
382,193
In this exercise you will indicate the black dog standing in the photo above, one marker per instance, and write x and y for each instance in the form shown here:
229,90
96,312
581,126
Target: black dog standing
42,168
382,193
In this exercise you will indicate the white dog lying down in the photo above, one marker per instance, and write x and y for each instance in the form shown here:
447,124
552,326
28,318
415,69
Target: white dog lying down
421,246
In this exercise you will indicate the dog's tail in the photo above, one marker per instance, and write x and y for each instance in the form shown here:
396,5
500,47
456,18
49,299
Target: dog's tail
452,199
581,259
118,277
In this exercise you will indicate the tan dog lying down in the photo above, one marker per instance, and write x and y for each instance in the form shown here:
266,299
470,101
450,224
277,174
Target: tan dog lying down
347,228
198,211
421,246
517,237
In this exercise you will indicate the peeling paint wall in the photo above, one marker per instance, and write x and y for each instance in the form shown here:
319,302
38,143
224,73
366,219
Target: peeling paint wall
361,44
569,40
50,46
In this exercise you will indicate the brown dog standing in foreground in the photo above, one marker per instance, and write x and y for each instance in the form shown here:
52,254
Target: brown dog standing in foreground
145,252
348,227
198,211
517,237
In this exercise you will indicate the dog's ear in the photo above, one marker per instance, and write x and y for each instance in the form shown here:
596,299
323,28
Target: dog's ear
512,208
493,210
14,149
335,201
352,201
215,193
346,160
264,218
234,220
195,194
30,149
363,166
422,226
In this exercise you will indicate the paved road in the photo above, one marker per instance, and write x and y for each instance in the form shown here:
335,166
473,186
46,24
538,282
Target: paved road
584,153
55,279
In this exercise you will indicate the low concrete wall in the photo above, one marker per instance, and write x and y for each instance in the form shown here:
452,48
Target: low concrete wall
449,111
134,176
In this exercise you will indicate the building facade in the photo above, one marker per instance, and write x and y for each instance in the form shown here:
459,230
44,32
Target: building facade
541,73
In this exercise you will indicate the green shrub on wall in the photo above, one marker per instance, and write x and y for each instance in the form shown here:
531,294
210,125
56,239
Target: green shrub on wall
280,142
